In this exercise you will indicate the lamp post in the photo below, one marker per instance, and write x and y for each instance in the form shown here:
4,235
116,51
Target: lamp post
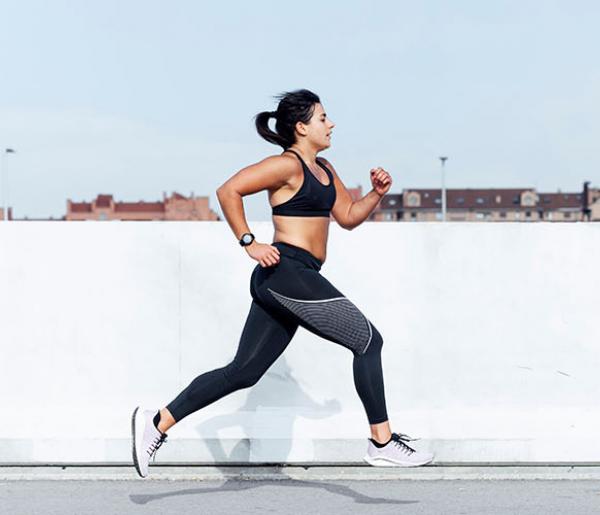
443,161
5,182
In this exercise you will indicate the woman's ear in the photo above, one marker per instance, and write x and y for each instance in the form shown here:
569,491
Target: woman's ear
301,128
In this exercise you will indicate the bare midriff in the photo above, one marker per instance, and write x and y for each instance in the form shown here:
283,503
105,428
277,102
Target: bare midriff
307,232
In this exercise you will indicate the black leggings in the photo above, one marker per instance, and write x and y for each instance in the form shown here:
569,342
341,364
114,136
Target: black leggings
287,295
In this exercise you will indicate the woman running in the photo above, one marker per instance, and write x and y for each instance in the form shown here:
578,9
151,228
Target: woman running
286,287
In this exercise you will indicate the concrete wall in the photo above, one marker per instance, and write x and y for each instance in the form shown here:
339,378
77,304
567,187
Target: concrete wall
491,349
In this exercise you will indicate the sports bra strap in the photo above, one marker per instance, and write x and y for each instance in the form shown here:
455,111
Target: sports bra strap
321,164
294,152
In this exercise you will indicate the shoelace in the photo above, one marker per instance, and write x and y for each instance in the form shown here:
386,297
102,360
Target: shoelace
399,440
405,437
155,445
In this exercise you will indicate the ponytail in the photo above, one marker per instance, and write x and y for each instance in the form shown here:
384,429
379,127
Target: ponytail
262,126
294,106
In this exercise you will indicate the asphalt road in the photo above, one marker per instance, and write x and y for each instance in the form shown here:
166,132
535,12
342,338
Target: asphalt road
232,497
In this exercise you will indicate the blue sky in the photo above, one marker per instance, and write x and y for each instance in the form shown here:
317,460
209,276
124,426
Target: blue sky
135,98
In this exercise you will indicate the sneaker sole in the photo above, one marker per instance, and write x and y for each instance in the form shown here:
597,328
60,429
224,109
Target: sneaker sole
133,439
383,462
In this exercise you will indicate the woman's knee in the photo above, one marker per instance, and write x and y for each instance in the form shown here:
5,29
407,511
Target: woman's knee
376,342
245,381
241,377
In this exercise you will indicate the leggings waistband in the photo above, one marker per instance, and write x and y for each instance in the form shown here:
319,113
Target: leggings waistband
298,253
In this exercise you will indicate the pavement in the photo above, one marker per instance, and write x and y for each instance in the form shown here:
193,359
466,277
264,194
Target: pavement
298,490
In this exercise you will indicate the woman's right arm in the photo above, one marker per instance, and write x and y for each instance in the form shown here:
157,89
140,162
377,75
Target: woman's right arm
269,174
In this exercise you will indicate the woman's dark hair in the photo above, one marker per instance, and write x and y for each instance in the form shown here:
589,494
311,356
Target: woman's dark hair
294,106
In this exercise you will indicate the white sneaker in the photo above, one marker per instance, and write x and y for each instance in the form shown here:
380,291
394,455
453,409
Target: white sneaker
396,453
146,439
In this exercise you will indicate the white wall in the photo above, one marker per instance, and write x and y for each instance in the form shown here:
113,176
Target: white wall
491,350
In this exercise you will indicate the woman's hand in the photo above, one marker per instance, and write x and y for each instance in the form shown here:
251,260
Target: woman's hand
381,181
265,254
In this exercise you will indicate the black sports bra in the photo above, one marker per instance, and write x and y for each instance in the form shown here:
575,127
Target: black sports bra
313,198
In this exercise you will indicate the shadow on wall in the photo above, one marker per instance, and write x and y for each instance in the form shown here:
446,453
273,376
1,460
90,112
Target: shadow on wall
270,400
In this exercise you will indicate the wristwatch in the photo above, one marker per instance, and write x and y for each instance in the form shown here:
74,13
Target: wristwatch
247,239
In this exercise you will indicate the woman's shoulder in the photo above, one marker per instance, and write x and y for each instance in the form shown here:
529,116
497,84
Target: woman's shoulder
327,163
324,161
281,165
285,159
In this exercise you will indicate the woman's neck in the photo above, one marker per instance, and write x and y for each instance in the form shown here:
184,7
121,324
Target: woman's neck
309,155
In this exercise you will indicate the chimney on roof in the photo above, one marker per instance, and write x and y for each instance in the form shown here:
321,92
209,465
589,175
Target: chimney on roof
585,208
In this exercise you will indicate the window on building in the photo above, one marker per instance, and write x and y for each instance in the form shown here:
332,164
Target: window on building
480,200
413,199
517,215
399,215
498,199
479,216
528,214
438,216
528,199
516,200
392,202
102,216
438,200
567,214
460,200
413,216
502,214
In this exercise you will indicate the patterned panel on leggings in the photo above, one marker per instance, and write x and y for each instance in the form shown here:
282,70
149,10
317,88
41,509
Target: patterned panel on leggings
337,318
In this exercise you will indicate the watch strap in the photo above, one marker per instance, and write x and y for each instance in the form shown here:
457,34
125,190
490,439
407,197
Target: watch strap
244,244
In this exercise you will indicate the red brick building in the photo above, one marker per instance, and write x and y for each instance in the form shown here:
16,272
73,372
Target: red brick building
175,207
10,215
486,205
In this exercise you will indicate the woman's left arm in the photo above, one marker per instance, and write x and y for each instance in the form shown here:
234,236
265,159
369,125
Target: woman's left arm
350,214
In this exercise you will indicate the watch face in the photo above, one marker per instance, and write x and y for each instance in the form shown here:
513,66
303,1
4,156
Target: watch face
247,238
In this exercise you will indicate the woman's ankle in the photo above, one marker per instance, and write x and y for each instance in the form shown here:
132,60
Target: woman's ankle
382,439
381,432
166,420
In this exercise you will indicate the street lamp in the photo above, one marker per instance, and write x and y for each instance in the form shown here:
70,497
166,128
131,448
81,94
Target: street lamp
443,161
5,182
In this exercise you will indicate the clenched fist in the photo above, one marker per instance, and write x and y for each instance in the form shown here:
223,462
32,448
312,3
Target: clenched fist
381,180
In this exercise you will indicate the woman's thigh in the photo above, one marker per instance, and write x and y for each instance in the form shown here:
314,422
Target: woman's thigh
317,305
